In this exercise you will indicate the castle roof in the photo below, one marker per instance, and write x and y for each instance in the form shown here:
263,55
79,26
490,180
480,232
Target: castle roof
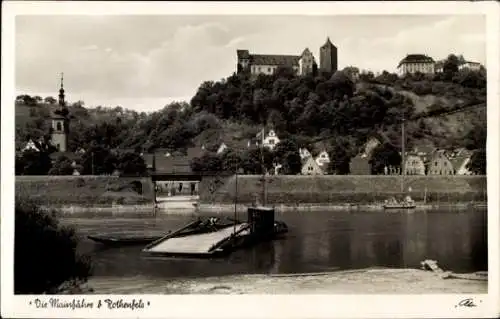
268,59
243,54
416,58
328,44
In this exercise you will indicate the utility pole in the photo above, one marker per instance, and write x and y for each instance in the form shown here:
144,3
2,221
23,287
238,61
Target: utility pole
403,172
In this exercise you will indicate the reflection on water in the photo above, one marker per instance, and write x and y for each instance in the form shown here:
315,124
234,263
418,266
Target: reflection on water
317,241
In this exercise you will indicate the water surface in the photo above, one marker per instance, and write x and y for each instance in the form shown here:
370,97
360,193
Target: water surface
316,242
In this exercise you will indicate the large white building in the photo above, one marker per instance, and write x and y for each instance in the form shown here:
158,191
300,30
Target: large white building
414,63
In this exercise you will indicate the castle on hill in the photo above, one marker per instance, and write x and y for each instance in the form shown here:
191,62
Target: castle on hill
301,64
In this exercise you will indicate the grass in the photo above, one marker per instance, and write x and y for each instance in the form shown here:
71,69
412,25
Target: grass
345,189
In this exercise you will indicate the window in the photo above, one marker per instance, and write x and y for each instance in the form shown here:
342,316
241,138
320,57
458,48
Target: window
58,126
435,163
271,141
58,145
269,70
310,168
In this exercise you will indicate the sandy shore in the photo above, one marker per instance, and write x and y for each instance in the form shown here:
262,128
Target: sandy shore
365,281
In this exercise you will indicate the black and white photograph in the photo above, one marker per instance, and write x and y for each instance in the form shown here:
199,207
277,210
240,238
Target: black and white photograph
248,152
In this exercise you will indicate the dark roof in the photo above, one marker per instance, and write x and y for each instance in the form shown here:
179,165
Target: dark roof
458,161
170,164
416,58
193,152
243,54
328,43
268,59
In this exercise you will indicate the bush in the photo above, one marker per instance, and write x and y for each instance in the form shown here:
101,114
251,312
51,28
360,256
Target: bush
44,252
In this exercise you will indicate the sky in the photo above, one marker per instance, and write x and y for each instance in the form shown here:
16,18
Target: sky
145,62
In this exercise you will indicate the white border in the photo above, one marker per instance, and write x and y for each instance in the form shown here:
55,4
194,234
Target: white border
256,306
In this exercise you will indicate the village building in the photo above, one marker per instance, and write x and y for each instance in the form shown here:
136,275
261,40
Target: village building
440,164
323,158
302,64
360,165
460,159
311,167
304,153
270,140
414,165
30,146
60,123
414,63
469,65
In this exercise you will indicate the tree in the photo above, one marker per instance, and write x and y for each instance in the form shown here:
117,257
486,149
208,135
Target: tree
208,162
34,163
98,161
450,66
384,155
62,166
45,252
342,150
50,100
477,163
287,154
131,163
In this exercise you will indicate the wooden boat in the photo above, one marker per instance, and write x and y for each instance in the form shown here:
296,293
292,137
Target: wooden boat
117,240
196,227
259,227
400,206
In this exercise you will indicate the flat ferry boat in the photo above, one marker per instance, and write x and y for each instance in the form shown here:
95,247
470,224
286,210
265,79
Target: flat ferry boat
221,241
199,226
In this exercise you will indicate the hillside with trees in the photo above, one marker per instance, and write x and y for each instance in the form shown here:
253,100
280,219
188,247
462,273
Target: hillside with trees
333,111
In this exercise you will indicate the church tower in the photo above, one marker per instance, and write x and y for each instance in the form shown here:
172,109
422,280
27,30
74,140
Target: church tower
328,57
60,122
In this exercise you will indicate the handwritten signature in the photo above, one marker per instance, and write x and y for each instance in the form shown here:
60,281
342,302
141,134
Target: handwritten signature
469,302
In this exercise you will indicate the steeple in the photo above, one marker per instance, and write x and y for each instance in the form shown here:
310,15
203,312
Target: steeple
62,102
328,43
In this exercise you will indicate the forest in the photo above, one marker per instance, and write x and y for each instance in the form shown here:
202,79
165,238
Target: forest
337,112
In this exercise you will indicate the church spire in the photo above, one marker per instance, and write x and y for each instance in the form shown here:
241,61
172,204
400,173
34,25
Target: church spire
62,102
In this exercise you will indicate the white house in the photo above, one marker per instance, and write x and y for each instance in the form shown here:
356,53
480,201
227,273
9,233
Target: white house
270,140
469,65
323,158
221,148
31,146
304,153
311,167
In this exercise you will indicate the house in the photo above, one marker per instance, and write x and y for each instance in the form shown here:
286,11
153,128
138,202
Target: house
221,148
323,158
270,140
304,153
440,164
360,165
469,65
414,165
31,146
165,162
438,67
414,63
311,167
459,159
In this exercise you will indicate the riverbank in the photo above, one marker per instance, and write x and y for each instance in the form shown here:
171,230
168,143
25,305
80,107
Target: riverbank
364,281
84,190
296,190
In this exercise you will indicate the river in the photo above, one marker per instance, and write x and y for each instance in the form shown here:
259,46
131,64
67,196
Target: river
316,242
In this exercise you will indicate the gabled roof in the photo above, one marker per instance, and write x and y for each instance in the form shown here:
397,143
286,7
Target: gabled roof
416,58
458,161
281,60
178,164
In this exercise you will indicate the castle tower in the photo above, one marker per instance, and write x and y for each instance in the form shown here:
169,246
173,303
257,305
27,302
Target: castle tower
60,122
328,57
307,63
